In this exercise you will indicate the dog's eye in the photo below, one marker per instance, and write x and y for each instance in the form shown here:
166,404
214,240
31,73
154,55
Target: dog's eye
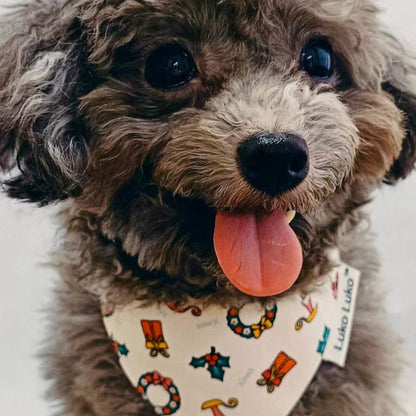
169,67
317,59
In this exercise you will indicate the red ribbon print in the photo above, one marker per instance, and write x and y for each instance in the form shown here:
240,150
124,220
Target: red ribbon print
158,379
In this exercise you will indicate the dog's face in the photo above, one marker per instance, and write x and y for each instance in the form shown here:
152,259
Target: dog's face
156,116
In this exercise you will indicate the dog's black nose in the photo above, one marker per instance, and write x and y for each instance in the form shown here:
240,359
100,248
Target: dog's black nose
274,163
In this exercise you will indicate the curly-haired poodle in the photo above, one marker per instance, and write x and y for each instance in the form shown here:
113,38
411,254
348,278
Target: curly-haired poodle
211,154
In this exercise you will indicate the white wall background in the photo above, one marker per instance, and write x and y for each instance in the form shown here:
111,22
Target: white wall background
27,234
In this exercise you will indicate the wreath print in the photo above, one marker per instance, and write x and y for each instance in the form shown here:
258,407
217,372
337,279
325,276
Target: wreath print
253,330
156,379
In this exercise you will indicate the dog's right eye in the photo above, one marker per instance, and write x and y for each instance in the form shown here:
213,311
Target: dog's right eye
169,67
317,59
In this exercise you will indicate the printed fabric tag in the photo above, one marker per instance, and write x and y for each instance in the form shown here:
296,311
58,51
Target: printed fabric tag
345,282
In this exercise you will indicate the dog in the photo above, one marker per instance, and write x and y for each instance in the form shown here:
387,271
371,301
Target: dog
169,128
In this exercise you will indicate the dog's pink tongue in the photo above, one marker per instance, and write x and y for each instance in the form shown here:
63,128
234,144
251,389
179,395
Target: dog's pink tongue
260,256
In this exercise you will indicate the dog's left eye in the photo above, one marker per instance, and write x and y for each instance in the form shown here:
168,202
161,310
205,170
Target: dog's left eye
317,60
169,67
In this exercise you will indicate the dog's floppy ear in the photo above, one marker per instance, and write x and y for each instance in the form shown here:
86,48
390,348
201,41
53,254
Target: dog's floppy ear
43,72
400,83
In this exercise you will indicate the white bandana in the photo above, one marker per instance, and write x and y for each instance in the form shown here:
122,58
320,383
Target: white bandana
225,362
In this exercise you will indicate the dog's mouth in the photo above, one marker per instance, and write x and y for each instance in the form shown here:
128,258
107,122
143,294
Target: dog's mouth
257,247
259,253
258,250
